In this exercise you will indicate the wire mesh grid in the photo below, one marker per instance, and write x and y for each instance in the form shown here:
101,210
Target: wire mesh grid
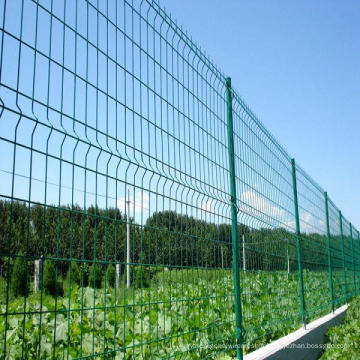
145,212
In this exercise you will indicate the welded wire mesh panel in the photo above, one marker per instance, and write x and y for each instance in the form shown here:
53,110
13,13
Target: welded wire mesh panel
118,238
356,236
314,242
270,295
349,253
115,185
337,256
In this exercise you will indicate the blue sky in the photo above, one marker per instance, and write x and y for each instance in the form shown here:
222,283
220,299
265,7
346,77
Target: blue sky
101,104
297,64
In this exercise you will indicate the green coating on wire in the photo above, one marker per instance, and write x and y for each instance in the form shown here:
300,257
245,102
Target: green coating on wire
127,157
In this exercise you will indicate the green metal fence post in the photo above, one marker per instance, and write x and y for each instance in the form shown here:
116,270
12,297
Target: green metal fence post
353,256
234,228
343,252
298,244
329,251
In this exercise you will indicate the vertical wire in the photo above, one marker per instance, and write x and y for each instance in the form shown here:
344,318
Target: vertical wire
126,183
59,209
43,234
95,265
9,242
117,283
107,264
29,220
46,164
72,183
28,230
86,215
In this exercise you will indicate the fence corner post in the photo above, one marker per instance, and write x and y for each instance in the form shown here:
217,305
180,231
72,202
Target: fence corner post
329,251
298,244
234,227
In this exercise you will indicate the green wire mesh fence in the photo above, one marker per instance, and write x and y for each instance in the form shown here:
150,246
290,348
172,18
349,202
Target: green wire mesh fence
145,211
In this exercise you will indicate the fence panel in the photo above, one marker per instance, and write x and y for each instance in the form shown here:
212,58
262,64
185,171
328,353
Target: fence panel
270,294
357,258
118,232
337,256
115,126
315,246
349,258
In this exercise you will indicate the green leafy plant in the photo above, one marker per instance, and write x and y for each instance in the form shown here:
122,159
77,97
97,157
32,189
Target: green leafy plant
84,275
206,298
343,341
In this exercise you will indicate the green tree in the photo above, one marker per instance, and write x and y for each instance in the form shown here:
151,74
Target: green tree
72,276
49,278
141,276
110,275
95,276
19,278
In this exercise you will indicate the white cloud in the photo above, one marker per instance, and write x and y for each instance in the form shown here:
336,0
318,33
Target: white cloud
255,204
258,206
306,218
208,206
140,205
311,224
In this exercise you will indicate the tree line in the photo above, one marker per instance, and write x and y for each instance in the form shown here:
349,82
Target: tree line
166,239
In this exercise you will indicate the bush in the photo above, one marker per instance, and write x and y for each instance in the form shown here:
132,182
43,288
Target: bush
19,278
110,275
95,276
49,278
192,276
72,276
141,276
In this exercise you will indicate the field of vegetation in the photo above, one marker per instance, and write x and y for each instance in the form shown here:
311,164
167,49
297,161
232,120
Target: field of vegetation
343,341
157,320
181,300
